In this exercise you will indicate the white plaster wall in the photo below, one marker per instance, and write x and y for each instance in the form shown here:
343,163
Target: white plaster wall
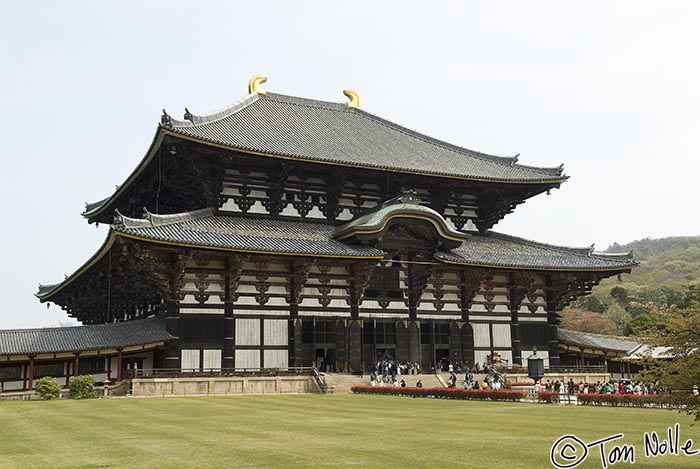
276,359
212,359
276,332
189,359
501,335
247,331
247,359
481,335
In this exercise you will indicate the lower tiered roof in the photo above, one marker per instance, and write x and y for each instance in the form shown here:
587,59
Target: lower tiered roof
203,229
83,338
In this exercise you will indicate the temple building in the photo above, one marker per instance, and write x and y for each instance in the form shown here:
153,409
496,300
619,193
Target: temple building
283,231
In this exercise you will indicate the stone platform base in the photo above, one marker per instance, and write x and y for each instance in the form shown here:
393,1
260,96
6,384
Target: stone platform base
223,386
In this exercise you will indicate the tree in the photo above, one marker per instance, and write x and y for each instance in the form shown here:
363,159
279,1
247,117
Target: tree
587,321
680,330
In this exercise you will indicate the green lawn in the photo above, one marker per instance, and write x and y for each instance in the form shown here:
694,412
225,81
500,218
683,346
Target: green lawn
316,431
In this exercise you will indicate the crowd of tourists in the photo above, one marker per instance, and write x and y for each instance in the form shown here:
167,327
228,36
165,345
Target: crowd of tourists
388,372
639,388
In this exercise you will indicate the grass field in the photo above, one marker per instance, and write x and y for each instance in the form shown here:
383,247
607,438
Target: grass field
317,431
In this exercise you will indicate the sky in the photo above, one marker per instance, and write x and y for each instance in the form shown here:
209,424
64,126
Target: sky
608,88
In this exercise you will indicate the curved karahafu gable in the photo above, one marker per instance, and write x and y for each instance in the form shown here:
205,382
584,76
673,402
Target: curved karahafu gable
405,209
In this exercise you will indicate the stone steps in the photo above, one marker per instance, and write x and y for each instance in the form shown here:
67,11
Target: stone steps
340,383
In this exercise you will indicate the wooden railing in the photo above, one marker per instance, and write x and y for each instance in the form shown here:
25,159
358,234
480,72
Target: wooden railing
320,379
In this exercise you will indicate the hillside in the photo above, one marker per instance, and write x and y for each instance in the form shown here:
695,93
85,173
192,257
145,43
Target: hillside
668,274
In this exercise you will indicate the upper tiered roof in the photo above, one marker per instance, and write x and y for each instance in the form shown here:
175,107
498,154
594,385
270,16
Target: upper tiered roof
326,132
292,128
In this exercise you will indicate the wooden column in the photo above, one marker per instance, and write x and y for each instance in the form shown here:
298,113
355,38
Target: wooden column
119,364
355,345
172,325
76,364
552,320
30,383
414,341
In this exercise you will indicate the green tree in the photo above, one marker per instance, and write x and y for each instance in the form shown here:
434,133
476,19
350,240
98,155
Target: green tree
680,330
619,316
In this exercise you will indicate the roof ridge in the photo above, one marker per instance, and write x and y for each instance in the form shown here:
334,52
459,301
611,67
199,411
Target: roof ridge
583,251
503,160
192,120
149,219
77,326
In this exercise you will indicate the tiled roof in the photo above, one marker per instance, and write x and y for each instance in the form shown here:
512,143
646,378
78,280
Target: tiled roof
299,128
596,341
203,228
496,249
79,338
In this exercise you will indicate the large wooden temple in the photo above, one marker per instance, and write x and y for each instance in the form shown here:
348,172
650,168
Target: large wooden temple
283,231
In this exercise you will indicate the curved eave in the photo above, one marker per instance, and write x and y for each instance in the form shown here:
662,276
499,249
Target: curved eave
611,269
114,234
249,151
439,225
161,133
106,246
150,154
245,251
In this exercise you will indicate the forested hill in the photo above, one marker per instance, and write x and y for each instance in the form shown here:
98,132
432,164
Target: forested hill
666,261
668,274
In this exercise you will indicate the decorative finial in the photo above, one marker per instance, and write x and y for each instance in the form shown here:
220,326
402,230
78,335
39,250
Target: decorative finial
188,115
166,121
354,98
254,84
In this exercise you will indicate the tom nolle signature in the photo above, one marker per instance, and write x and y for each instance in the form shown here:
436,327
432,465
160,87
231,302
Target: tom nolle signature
570,451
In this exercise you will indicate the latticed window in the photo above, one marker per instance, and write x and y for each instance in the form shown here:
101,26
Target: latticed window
92,365
385,283
307,331
48,369
324,332
442,333
386,333
368,332
10,372
424,333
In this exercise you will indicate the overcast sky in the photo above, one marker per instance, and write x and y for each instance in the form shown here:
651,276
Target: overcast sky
610,89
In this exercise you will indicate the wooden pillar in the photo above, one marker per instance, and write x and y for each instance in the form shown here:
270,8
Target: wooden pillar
119,364
172,325
552,336
582,360
229,337
414,341
340,346
76,364
629,370
355,345
30,372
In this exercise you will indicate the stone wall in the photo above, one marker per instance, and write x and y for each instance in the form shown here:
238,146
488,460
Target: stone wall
223,386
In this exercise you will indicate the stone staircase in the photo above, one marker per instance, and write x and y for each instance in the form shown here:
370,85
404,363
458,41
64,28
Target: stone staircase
340,383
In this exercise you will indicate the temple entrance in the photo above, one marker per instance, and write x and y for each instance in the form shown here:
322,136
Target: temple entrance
325,359
442,358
